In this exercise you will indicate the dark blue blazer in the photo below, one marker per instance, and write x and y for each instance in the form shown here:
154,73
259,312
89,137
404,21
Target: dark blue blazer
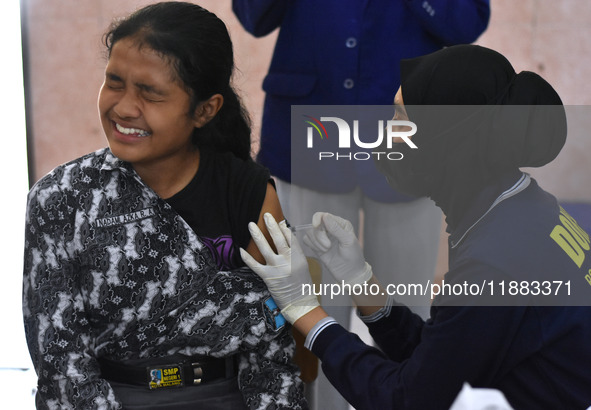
346,52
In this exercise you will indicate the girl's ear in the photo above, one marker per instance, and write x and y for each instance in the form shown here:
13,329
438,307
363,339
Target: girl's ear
208,109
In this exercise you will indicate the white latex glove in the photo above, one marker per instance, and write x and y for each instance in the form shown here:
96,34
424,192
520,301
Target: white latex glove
286,271
334,242
478,398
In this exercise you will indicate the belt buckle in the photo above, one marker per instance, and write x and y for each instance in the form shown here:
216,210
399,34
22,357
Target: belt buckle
197,373
165,376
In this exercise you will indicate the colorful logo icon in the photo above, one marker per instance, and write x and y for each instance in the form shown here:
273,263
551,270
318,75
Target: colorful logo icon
317,125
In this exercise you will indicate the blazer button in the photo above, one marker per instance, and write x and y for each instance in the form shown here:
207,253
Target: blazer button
349,83
351,42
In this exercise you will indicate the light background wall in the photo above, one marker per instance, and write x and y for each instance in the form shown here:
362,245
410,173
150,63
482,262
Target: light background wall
66,62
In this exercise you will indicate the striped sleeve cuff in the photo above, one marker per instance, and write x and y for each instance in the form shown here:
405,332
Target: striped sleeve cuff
317,329
382,313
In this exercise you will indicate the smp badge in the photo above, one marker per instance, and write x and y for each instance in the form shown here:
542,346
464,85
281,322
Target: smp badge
273,314
165,376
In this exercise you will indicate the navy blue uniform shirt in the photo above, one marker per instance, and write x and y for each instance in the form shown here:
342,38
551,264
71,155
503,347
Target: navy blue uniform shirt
538,356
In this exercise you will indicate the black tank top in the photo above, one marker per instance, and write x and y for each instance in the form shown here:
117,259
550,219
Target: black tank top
224,196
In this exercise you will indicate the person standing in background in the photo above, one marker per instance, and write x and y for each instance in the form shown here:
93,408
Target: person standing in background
347,52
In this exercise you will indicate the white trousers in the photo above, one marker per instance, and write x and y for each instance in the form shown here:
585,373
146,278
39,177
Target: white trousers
400,242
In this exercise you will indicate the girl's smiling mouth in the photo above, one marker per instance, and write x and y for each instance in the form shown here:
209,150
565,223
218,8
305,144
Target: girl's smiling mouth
136,132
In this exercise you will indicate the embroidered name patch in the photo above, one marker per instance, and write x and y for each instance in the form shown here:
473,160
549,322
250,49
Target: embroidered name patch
124,219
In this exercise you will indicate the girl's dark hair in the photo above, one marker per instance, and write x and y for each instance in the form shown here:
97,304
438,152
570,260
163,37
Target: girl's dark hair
199,48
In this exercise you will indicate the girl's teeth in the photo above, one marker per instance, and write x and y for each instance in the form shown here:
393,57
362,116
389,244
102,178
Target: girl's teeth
129,131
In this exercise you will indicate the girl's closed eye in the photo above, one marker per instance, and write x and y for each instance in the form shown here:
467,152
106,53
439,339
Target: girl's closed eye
113,82
152,98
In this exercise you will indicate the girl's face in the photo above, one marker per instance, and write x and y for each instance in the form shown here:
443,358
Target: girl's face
144,109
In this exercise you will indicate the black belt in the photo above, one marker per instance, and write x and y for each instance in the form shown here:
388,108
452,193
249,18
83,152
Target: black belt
192,371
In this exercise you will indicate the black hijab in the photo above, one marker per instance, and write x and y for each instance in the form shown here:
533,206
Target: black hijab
477,120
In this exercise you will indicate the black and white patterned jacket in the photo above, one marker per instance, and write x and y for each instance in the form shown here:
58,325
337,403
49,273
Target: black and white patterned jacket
112,271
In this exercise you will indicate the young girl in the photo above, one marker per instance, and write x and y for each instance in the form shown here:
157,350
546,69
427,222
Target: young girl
134,294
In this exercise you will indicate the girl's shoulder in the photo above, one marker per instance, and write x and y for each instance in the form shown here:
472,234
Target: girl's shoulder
234,168
81,170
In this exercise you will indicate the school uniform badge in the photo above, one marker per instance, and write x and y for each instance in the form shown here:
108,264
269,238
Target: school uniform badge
165,376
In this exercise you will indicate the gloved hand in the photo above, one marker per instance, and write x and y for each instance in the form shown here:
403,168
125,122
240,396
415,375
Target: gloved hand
285,272
334,242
